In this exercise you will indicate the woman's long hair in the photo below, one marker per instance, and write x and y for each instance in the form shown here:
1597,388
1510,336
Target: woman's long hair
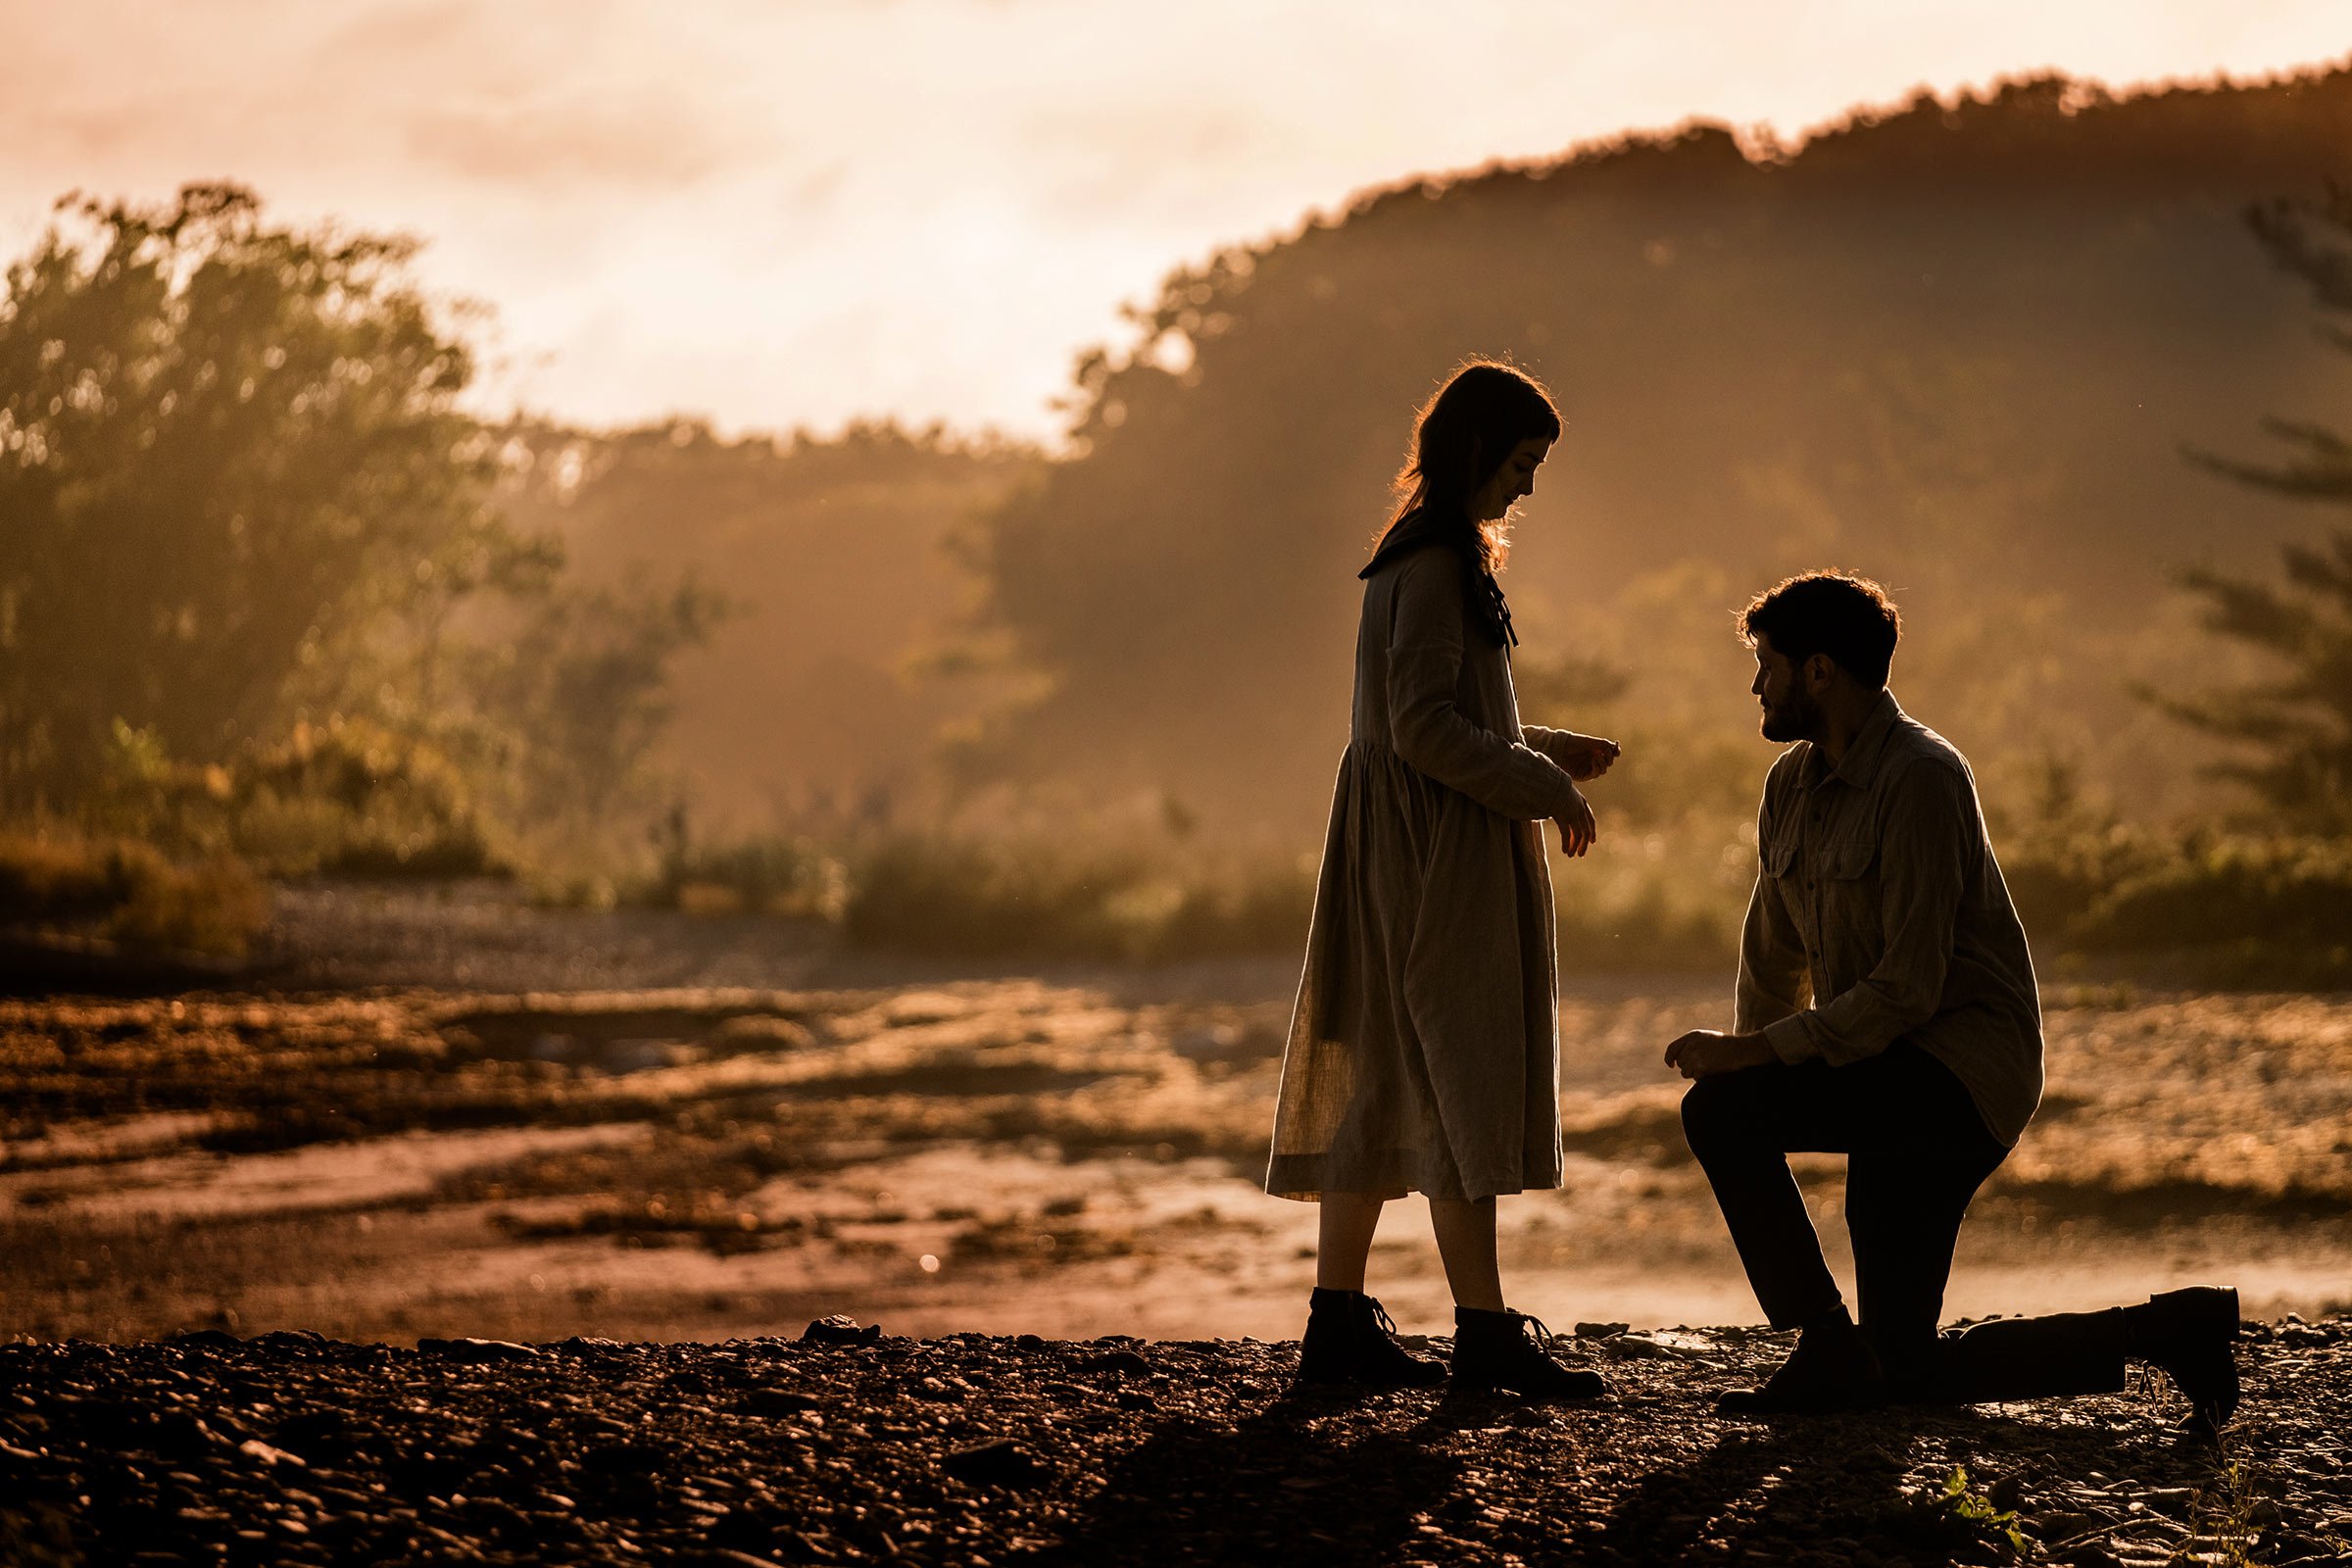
1460,438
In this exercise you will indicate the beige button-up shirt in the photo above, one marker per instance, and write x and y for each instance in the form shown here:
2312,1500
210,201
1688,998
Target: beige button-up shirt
1879,914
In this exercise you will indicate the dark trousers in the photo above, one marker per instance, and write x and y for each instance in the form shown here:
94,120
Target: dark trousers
1916,1152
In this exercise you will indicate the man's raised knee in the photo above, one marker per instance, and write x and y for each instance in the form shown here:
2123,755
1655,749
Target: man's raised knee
1712,1115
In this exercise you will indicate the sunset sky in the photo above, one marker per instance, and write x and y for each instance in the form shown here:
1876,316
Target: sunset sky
792,211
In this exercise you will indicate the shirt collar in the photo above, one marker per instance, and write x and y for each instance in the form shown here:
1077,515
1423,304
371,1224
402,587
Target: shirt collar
1862,758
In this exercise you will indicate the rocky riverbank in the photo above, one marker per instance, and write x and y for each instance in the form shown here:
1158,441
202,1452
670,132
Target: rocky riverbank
851,1447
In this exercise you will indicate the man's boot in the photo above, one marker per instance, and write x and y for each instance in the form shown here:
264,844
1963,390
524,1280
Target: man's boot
1831,1368
1348,1340
2190,1334
1506,1349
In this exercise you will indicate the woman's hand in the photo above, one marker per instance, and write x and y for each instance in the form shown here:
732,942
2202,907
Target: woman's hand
1577,828
1586,756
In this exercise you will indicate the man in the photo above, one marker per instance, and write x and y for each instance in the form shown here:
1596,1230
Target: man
1886,1010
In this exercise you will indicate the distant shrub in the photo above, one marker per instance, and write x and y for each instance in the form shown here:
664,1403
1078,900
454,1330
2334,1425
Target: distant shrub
346,798
354,799
127,891
2248,911
1033,897
776,875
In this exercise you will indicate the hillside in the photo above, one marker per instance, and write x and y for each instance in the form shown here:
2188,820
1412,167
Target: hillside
1960,347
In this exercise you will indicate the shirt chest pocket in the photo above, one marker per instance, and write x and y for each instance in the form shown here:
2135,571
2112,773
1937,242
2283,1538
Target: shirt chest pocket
1849,892
1847,859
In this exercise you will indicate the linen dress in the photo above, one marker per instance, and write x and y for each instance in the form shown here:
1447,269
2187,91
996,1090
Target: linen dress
1423,1050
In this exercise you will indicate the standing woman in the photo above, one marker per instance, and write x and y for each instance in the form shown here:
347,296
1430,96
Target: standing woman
1424,1054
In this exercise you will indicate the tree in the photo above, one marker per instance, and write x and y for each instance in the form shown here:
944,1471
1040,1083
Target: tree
230,460
588,679
2297,727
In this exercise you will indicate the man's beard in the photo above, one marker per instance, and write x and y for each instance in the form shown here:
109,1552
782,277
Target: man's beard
1795,719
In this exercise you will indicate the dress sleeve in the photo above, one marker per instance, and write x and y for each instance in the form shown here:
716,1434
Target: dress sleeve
1544,739
1431,731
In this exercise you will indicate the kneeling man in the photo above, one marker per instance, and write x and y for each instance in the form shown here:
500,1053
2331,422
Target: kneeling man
1886,1010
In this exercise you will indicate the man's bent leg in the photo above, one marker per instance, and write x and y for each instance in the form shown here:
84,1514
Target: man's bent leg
1739,1125
1903,1207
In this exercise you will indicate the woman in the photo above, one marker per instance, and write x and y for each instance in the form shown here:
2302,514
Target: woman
1423,1055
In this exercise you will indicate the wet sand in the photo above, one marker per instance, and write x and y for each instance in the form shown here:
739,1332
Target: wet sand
1066,1156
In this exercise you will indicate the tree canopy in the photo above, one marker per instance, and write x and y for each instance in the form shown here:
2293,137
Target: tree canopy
228,450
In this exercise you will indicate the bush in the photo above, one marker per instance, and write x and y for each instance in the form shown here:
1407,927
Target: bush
2218,908
1032,897
129,891
781,876
2246,911
346,798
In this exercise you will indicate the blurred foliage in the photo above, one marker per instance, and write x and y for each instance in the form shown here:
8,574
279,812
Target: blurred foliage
128,891
349,797
259,596
1006,896
229,452
773,874
2299,724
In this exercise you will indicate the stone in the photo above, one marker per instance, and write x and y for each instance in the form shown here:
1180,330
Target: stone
480,1352
1002,1463
840,1330
778,1401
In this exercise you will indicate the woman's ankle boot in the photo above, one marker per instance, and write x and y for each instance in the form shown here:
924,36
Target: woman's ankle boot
1510,1350
1351,1340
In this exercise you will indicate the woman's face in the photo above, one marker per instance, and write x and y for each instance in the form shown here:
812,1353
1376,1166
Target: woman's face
1515,479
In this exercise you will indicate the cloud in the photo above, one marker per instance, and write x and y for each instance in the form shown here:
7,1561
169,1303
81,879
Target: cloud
572,139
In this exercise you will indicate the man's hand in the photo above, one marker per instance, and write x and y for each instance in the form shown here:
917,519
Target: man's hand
1704,1052
1577,829
1586,756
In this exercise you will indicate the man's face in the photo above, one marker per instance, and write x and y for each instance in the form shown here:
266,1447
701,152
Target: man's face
1791,712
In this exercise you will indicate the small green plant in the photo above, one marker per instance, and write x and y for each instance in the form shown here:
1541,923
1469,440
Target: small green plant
1979,1512
2229,1515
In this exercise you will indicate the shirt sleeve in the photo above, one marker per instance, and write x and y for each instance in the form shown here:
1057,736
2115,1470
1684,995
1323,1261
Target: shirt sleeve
1775,981
1431,731
1922,869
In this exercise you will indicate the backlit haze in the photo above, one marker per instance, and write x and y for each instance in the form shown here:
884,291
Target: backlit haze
785,212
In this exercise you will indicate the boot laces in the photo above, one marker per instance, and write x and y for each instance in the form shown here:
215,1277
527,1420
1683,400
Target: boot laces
1379,1315
1536,1328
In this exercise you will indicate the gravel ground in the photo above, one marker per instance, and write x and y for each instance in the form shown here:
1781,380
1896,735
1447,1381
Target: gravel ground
290,1449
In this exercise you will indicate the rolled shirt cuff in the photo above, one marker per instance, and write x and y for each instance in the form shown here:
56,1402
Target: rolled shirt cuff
1791,1040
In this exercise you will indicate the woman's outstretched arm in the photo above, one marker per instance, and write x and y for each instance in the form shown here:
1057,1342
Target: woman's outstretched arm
1430,729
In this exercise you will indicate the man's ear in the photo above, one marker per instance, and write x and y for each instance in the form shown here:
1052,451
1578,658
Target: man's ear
1819,672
